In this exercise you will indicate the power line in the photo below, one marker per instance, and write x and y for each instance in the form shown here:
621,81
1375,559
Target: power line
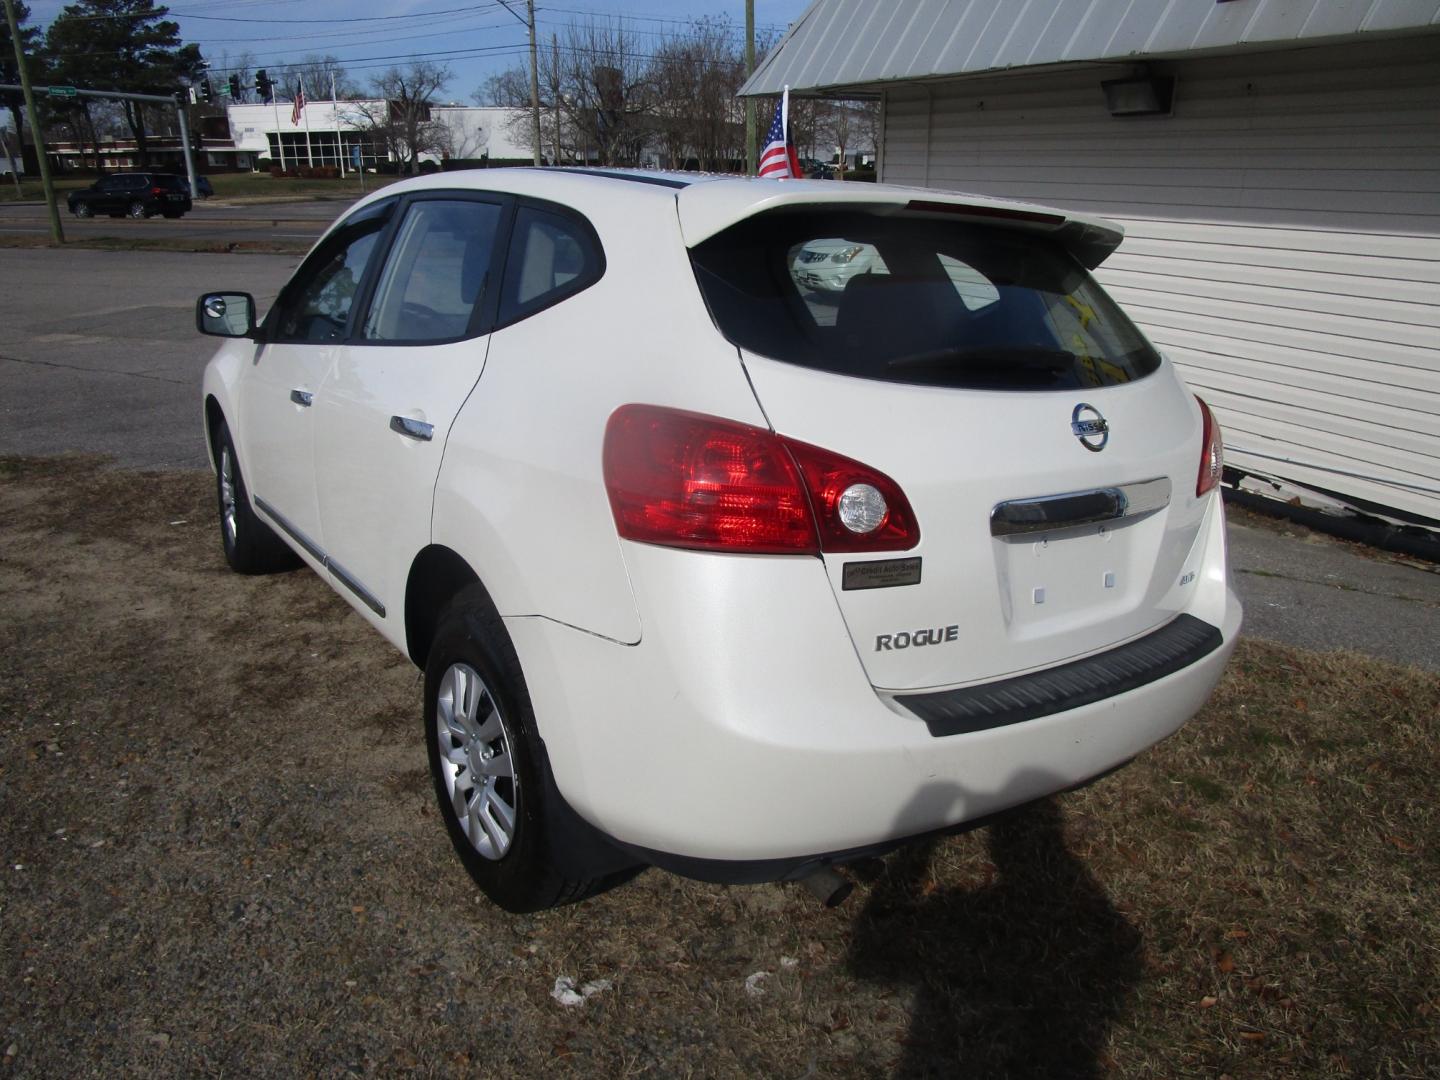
337,43
473,9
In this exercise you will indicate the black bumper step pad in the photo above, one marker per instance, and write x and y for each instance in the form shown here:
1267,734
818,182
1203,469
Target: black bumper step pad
1176,645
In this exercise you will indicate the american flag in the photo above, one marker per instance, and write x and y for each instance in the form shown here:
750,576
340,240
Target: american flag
778,159
298,109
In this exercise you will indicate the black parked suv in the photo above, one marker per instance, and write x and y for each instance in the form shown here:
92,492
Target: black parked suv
139,195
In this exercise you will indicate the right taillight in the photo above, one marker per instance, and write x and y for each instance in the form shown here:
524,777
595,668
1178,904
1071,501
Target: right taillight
1212,452
684,479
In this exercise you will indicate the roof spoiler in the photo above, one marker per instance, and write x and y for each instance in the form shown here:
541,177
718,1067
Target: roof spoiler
708,209
1090,240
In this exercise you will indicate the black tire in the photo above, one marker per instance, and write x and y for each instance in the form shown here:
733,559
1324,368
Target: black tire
553,856
84,210
251,546
137,210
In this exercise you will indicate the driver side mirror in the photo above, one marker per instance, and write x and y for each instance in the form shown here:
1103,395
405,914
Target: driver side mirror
226,314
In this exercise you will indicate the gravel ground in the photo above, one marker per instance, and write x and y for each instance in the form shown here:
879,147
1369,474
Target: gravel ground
221,858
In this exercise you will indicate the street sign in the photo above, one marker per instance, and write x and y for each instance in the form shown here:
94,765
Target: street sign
61,91
355,158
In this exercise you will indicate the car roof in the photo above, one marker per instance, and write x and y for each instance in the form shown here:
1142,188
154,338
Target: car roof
709,203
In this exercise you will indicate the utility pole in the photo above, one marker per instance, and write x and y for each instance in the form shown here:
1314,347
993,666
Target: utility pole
56,232
534,84
749,101
185,144
534,74
555,87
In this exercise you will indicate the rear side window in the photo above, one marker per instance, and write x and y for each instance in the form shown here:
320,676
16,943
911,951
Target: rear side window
552,256
917,301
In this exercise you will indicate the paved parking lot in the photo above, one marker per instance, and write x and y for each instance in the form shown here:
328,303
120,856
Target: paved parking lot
99,354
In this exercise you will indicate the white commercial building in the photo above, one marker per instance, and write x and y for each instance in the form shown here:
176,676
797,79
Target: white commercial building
327,132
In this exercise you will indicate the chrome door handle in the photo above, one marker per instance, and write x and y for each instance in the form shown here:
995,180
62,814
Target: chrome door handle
414,429
302,397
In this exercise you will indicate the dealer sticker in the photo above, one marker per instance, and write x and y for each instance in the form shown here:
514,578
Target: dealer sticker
881,575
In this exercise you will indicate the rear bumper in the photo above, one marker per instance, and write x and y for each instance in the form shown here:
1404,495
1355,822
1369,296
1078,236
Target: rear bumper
741,736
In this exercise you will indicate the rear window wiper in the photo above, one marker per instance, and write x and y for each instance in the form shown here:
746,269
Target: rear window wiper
1024,356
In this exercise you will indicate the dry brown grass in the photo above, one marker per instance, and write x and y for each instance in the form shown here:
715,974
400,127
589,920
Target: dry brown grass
220,857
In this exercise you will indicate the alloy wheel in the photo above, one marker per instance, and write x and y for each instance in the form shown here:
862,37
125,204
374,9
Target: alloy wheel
227,496
475,758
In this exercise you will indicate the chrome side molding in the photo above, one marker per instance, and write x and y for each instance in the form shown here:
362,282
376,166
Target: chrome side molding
1050,513
315,552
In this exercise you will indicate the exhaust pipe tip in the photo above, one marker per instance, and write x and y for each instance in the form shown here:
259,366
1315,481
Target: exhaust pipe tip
827,886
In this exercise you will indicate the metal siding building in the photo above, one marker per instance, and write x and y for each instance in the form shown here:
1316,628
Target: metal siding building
1281,226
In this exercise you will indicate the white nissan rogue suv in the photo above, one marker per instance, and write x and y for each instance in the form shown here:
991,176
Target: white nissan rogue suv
711,569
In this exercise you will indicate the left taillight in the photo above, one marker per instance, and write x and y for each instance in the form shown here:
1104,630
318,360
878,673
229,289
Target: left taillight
684,479
1212,451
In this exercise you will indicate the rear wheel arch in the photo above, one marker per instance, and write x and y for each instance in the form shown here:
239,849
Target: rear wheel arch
436,576
214,417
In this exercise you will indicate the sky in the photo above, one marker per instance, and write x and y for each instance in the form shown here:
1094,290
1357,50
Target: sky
475,39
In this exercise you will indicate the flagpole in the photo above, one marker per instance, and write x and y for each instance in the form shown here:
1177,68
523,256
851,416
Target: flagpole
279,131
335,118
305,114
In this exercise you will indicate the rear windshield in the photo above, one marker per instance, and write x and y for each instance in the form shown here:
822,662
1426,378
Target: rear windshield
917,301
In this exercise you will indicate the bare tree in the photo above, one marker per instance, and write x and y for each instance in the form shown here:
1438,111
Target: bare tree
612,91
400,120
242,66
849,125
508,89
317,72
696,75
607,97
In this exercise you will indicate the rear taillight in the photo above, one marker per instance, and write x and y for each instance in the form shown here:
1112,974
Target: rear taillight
157,191
684,479
1212,452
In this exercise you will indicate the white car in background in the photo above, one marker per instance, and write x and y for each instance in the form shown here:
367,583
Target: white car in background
702,581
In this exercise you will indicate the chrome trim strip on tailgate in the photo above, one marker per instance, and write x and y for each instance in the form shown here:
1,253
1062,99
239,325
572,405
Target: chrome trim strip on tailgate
1052,512
1176,645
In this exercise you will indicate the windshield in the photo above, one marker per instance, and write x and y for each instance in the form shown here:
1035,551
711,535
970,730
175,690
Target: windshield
917,300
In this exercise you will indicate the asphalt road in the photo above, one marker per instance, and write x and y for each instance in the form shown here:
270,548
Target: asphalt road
209,220
98,353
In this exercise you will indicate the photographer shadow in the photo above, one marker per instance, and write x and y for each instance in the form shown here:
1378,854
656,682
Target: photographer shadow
1021,976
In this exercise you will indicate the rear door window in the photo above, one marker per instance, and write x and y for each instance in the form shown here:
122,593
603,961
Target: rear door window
917,300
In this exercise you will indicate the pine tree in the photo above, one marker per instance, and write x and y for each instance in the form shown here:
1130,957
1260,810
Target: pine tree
124,45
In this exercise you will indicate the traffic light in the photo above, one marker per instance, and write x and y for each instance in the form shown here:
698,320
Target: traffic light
207,95
234,87
263,84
